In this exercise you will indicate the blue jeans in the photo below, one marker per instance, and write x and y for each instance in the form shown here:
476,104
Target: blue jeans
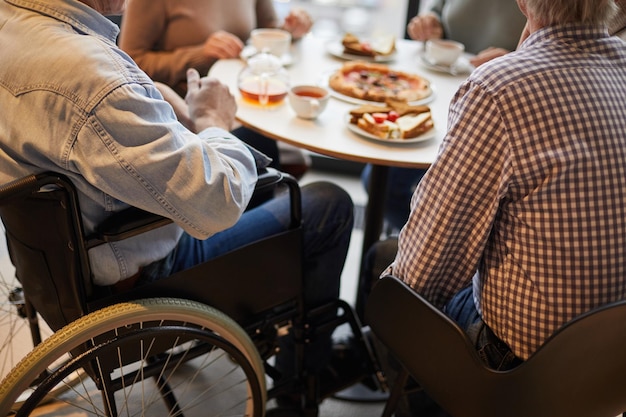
327,221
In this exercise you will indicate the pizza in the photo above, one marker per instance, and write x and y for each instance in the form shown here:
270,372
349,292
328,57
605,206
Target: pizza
377,82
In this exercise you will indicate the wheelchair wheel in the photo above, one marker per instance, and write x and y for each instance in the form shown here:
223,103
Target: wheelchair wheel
157,357
20,335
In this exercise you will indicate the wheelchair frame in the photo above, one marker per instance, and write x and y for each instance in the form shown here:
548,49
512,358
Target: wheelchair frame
236,315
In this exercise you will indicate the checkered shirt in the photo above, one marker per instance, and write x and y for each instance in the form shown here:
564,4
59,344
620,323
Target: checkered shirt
528,189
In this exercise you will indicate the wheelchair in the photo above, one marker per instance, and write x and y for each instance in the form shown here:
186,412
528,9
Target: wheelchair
199,342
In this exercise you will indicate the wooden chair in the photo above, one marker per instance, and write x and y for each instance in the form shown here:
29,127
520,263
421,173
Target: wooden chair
579,371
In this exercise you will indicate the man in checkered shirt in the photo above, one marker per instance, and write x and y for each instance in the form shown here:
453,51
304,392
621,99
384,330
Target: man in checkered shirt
521,221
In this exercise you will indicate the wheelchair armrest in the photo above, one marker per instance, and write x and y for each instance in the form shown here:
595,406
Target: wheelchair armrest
125,224
268,178
134,221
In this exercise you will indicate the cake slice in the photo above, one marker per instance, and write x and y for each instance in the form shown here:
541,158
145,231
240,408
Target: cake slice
383,130
384,44
412,125
380,45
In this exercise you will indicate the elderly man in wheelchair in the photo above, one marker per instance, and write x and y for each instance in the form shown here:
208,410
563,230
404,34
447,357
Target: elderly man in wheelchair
132,237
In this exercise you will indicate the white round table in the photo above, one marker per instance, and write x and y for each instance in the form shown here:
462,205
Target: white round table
311,63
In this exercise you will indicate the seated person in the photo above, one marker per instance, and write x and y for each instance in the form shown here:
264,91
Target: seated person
165,37
518,225
108,128
487,28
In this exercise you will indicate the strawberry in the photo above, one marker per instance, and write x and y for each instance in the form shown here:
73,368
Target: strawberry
392,116
379,117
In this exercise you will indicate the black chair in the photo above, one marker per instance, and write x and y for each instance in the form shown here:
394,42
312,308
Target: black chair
224,317
579,371
412,9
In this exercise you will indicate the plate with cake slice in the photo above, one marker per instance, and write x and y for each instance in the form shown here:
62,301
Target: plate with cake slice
350,47
396,122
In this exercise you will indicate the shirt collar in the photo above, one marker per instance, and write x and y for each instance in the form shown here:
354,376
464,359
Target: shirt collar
81,17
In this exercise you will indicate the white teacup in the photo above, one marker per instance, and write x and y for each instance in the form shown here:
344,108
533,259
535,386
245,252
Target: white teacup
274,41
308,101
443,51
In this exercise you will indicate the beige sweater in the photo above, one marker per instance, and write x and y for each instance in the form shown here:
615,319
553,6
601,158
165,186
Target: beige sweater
165,37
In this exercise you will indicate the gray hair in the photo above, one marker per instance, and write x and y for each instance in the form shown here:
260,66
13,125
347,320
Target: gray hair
556,12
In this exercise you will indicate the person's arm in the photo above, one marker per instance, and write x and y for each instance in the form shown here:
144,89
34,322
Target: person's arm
436,7
424,27
487,55
132,148
143,25
455,204
181,109
298,22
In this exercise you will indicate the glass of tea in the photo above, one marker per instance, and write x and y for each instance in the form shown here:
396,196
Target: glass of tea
308,101
264,81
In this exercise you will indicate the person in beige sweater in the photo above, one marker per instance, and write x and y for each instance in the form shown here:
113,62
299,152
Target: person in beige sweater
166,37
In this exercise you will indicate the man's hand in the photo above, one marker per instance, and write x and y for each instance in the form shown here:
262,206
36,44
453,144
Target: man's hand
487,55
223,45
210,102
298,22
424,27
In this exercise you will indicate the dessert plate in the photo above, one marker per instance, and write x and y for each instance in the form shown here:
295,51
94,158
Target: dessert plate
460,67
420,138
335,48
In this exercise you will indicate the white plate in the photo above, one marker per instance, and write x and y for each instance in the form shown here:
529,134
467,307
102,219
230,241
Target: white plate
248,51
460,67
421,138
335,48
324,83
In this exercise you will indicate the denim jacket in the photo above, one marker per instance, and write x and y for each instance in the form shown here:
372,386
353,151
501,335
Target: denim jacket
72,102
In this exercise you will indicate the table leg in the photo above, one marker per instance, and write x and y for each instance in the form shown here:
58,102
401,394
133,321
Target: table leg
373,224
372,228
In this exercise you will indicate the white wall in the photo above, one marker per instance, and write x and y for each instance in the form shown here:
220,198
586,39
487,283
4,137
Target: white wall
362,17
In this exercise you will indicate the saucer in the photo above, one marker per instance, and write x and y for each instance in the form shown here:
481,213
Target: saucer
460,67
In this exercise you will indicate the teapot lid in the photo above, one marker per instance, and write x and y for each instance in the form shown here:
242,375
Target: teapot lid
264,62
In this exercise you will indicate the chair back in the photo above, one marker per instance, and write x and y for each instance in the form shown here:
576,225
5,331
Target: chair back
41,217
579,371
412,10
